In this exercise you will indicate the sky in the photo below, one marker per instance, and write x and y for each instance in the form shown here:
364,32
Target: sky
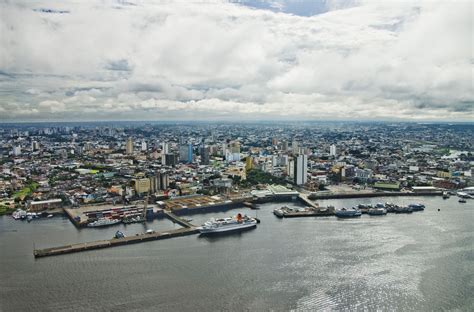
236,60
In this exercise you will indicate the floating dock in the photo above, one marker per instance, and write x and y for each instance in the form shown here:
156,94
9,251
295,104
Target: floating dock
61,250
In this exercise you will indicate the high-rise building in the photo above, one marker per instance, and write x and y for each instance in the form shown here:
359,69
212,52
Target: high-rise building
154,183
204,151
224,149
190,153
164,181
291,169
294,146
170,159
301,168
34,146
186,153
332,150
284,145
129,147
183,153
234,151
248,163
165,149
141,185
17,150
144,146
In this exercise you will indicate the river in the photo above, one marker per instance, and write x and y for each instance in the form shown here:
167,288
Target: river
422,261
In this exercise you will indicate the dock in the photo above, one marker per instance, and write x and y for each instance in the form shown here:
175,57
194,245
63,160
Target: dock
61,250
178,220
305,199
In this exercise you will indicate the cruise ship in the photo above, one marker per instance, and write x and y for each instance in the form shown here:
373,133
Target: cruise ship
237,223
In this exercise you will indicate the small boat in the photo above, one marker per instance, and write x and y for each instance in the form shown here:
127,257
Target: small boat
417,207
119,234
130,220
19,214
445,195
280,212
50,216
406,209
377,211
462,200
187,219
348,213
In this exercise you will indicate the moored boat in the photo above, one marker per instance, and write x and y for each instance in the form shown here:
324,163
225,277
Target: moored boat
377,211
103,222
19,214
417,207
348,213
405,209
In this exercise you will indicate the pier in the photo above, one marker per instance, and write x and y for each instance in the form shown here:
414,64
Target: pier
61,250
178,220
305,199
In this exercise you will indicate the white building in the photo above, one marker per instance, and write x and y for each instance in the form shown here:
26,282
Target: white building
17,150
332,150
301,169
165,148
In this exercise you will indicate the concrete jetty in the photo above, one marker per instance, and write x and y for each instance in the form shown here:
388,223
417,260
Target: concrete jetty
61,250
304,198
177,219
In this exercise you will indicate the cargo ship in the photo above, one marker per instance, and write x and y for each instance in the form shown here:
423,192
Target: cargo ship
224,225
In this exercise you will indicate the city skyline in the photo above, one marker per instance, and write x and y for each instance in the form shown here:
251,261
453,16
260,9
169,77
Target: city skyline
237,60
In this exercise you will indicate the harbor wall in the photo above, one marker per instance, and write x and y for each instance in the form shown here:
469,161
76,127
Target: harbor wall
377,194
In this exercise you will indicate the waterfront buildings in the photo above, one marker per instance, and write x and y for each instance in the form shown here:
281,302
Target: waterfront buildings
87,163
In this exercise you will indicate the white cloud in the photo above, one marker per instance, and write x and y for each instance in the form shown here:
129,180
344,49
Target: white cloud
180,60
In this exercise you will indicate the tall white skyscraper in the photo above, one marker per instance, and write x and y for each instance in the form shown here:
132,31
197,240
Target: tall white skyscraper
144,145
165,148
332,150
301,169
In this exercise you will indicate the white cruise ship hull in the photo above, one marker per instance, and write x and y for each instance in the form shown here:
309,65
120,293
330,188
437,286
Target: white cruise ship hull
227,228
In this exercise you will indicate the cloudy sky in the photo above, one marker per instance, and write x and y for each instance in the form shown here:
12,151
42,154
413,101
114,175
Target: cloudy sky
236,60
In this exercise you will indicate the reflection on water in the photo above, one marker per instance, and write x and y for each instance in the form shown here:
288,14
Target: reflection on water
421,261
